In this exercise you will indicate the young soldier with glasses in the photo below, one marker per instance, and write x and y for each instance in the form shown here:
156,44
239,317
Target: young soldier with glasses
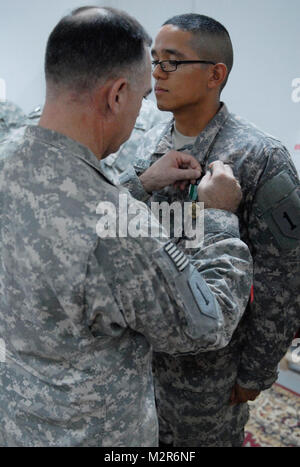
202,399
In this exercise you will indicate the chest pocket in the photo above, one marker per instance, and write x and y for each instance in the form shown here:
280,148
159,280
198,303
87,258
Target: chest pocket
278,203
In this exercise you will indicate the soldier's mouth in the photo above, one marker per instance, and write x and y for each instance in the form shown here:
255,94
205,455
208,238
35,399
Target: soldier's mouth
160,90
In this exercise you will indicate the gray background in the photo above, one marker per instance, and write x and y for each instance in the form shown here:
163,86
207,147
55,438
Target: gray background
265,35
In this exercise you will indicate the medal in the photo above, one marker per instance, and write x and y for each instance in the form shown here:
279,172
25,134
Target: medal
193,195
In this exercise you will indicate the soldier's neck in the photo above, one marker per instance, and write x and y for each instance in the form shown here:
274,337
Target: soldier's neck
191,121
75,124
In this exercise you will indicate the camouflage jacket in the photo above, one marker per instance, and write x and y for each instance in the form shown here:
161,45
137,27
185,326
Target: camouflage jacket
11,117
270,225
13,132
117,163
80,314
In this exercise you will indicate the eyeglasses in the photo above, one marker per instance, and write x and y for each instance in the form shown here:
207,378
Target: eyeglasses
171,65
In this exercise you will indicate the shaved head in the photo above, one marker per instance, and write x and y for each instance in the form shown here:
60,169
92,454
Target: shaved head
210,39
93,44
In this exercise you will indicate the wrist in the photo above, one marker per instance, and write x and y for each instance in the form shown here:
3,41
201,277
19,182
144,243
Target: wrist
144,179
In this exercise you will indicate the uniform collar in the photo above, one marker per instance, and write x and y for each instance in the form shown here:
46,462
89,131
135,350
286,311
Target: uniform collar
60,141
207,137
204,140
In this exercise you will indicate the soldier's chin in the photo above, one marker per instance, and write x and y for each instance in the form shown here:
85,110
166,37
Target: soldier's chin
163,107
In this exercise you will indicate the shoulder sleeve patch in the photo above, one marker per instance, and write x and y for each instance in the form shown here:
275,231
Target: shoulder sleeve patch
278,202
202,312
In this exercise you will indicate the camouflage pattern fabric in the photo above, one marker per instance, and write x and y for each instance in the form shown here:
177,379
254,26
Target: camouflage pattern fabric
117,163
80,314
34,116
193,392
14,132
11,117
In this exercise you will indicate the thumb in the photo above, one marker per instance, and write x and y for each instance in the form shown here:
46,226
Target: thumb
187,160
206,177
186,174
204,180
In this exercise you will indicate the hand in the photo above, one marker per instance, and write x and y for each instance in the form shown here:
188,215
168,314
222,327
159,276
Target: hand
219,189
241,395
171,168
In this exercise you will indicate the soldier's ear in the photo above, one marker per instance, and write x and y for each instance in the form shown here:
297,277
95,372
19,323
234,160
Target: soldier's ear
217,75
118,95
110,98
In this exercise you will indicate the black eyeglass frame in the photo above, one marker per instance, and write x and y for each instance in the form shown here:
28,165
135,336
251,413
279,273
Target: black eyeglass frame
175,63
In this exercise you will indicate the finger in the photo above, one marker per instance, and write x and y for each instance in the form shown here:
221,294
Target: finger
220,167
241,398
205,180
217,167
216,163
183,185
228,169
187,160
186,174
252,398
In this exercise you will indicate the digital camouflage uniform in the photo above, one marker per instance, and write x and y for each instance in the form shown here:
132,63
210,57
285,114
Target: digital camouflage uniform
14,132
113,165
80,314
117,163
11,117
193,392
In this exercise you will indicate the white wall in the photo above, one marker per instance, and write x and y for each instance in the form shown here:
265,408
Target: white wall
24,29
265,35
266,40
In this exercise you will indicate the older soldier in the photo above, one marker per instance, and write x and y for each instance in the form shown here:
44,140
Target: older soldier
115,164
79,313
202,399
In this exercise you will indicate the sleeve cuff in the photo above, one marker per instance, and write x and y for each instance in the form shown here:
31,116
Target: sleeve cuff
253,382
217,220
131,181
